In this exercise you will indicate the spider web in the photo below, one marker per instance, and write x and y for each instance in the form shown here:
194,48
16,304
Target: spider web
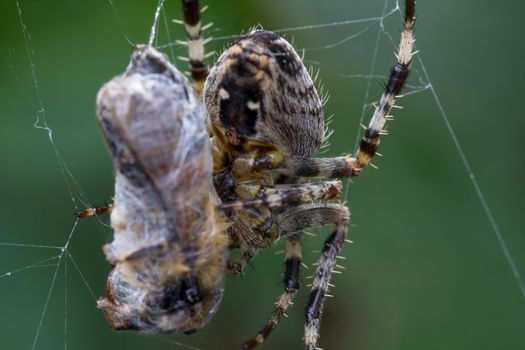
54,280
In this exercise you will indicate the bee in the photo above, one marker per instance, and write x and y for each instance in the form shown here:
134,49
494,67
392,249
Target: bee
219,166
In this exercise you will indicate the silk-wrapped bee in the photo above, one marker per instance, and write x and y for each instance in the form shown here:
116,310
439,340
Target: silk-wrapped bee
169,247
222,165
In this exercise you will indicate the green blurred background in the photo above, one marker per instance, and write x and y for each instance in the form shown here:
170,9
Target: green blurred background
426,270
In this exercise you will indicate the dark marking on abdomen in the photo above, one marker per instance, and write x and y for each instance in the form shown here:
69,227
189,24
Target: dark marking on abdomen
234,111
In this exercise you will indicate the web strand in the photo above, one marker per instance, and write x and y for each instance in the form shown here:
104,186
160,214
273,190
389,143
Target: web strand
29,245
168,35
65,304
31,266
479,193
46,304
155,25
123,29
84,280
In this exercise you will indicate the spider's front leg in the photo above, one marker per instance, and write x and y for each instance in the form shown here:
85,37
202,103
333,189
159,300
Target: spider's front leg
352,166
340,217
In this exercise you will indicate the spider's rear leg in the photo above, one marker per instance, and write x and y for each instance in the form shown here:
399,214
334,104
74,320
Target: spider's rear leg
292,265
340,216
293,222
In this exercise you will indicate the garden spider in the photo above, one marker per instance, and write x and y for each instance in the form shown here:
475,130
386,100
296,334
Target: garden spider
184,198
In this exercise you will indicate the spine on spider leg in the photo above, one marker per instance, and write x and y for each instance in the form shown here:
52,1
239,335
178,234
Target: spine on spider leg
271,198
398,75
195,43
321,283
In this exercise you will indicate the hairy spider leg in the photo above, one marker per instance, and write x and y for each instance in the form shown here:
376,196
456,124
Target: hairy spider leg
340,216
398,76
292,263
293,223
195,43
97,211
265,197
279,196
237,266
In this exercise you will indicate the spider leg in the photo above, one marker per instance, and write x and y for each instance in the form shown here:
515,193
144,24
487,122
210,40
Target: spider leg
237,266
97,211
195,43
279,196
285,195
293,222
292,265
352,166
325,267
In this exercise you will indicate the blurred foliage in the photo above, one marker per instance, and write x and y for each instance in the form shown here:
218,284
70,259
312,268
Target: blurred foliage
426,270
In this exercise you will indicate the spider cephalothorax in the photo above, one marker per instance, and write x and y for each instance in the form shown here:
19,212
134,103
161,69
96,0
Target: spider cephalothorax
197,178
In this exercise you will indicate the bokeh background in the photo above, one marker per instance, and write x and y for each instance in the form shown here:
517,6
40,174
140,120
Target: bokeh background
426,270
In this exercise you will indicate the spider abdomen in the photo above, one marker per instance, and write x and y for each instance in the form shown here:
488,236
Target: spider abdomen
260,92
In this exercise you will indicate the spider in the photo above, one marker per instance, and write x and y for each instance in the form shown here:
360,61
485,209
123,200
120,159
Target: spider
221,166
